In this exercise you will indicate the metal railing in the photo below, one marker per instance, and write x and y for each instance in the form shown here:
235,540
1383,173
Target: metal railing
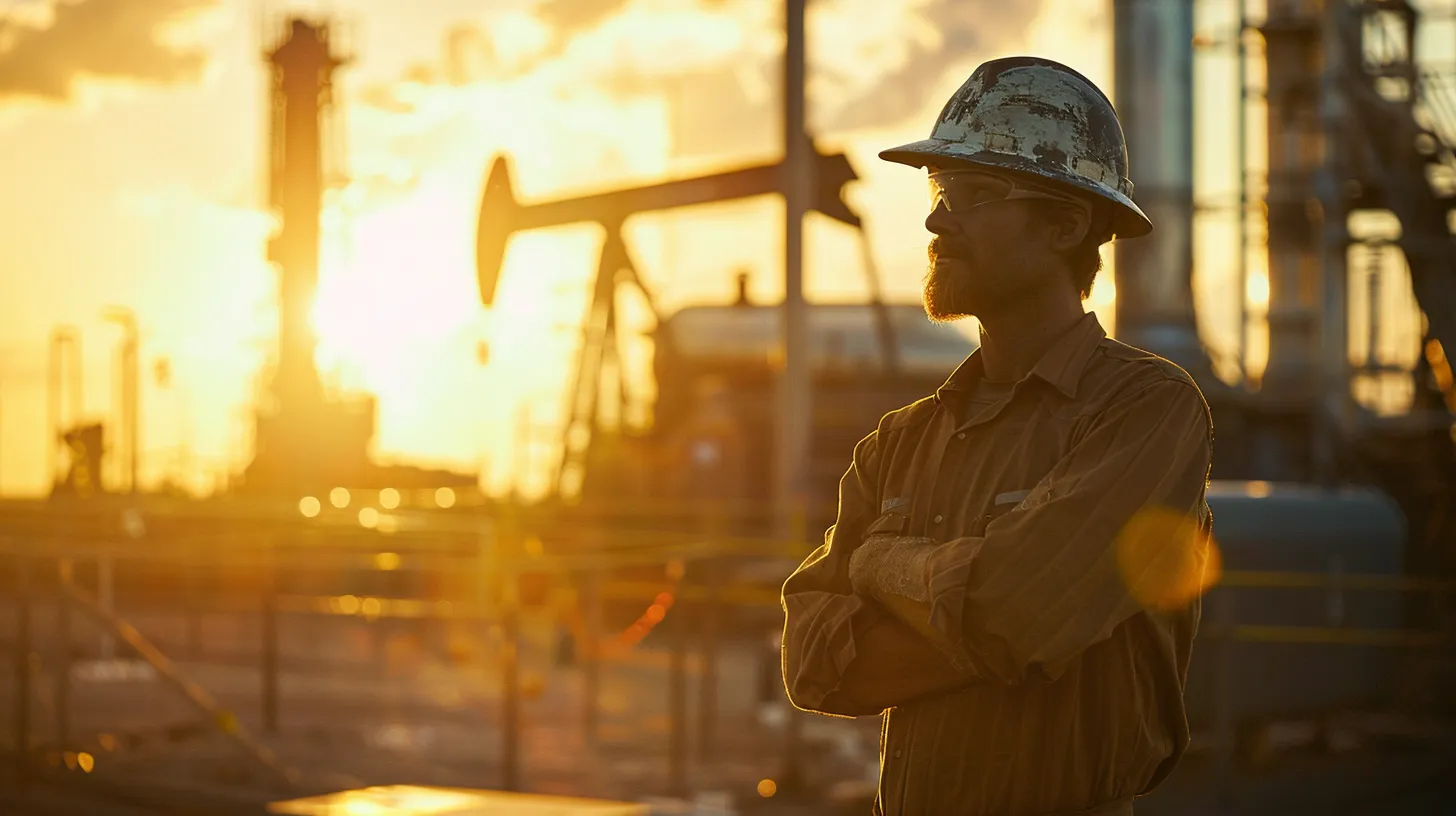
495,558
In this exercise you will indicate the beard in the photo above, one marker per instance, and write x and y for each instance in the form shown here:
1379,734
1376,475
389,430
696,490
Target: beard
950,287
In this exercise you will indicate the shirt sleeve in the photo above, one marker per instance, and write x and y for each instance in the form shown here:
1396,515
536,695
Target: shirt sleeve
1118,527
844,654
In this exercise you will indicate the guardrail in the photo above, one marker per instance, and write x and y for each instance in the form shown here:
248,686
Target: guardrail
494,554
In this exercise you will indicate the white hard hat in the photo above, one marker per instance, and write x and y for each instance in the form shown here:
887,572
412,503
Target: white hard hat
1036,117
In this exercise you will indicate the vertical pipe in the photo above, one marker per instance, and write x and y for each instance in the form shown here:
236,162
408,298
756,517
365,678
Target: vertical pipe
510,658
1338,405
269,646
677,701
510,697
1153,68
794,377
708,612
1241,161
63,653
591,656
22,670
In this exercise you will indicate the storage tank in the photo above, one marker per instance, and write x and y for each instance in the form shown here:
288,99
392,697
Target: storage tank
1290,528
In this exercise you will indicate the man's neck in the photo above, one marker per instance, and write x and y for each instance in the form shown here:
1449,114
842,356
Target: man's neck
1015,338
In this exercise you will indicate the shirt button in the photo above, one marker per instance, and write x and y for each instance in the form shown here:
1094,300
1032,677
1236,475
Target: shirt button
897,753
961,435
939,518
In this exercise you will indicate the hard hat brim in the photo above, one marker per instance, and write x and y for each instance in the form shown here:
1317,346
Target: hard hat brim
1128,220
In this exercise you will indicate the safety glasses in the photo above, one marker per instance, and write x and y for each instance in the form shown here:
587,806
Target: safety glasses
962,190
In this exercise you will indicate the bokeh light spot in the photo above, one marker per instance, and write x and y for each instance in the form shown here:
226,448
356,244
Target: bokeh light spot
389,498
445,497
339,497
368,517
387,561
1165,560
767,788
309,506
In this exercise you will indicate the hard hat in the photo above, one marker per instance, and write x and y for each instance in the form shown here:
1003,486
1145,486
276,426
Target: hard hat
1033,116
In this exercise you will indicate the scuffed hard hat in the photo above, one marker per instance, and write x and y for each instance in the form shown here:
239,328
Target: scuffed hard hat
1038,117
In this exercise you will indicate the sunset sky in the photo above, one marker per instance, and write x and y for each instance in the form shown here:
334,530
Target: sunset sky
132,152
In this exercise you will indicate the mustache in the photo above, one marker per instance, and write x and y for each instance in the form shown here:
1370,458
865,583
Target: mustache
939,247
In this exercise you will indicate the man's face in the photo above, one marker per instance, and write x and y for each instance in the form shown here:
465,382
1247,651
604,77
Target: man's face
986,252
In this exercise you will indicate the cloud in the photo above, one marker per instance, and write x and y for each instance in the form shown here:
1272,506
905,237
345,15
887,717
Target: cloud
913,51
116,39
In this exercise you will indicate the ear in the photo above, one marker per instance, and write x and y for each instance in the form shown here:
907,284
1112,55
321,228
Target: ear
1067,226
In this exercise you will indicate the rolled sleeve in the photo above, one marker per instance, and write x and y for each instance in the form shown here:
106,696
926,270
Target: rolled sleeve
1122,511
821,611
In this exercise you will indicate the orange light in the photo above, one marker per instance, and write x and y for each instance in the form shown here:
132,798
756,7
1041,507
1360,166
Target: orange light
386,561
655,613
767,788
1165,560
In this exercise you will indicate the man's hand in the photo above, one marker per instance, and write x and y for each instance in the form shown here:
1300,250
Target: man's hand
893,571
891,566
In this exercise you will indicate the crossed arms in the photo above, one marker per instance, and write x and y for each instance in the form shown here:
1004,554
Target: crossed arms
875,622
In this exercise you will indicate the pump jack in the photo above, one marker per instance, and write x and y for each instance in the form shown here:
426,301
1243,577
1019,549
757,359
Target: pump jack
501,216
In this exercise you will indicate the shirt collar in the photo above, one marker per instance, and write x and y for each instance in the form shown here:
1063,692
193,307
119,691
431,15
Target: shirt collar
1060,366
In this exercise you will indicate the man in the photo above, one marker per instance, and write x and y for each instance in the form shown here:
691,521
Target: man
1014,572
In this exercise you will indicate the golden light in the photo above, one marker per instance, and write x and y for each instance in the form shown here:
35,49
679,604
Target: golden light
1165,560
767,788
339,497
388,524
386,561
533,547
368,517
445,497
389,498
349,605
370,608
86,761
309,506
1257,290
1257,490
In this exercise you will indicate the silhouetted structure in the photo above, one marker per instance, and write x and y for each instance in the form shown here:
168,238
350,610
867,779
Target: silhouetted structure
305,439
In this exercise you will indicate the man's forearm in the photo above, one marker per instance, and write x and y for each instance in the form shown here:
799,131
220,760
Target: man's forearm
894,665
892,570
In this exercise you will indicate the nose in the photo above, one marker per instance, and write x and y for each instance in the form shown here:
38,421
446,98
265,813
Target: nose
940,219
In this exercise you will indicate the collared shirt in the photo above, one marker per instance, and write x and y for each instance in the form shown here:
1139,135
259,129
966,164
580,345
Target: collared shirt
1068,517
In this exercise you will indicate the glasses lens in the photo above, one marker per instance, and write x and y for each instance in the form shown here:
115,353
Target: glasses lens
965,189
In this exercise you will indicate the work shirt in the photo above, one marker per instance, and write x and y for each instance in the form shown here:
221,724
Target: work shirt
1049,511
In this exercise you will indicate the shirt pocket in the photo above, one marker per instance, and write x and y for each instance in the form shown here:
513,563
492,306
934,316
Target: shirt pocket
1003,503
